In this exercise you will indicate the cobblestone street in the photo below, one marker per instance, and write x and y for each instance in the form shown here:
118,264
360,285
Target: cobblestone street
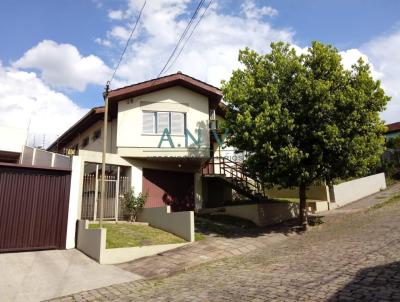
352,256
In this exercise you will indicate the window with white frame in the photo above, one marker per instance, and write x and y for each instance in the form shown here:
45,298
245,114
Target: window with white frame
155,122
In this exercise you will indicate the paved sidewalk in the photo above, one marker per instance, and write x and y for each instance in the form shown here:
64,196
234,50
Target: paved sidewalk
352,256
210,249
215,248
39,275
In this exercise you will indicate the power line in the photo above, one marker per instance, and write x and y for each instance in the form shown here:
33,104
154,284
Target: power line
182,36
190,35
127,42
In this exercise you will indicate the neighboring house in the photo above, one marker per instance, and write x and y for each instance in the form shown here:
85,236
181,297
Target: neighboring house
12,142
158,141
393,130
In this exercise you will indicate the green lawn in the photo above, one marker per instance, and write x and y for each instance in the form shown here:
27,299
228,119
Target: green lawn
130,235
392,200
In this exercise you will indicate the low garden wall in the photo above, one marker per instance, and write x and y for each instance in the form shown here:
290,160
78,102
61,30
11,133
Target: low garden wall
42,158
353,190
313,192
264,214
271,213
340,194
179,223
92,242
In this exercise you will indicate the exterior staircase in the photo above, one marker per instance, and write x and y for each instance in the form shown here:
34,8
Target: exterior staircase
232,174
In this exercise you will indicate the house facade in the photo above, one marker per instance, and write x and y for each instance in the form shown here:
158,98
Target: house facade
393,130
158,141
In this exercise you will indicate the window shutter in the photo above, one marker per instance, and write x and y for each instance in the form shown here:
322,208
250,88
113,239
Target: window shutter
162,121
177,122
148,122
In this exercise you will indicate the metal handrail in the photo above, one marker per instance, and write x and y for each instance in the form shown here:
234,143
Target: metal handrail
235,172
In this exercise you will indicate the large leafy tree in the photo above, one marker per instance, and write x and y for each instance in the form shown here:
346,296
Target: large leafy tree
304,118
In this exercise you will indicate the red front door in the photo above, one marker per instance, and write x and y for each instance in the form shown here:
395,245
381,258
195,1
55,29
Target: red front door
169,188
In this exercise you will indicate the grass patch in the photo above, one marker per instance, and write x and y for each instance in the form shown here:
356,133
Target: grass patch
392,200
131,235
285,200
199,236
230,221
224,225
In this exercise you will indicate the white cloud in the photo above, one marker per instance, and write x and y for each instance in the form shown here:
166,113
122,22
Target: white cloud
24,97
251,11
120,33
116,15
103,42
62,66
351,56
383,53
212,52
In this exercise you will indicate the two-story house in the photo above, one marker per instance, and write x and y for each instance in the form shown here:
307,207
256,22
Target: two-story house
158,140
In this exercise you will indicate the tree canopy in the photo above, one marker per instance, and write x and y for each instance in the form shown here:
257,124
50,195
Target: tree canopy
304,117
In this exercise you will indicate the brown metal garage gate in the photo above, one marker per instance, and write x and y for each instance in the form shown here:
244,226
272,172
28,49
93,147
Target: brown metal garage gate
33,207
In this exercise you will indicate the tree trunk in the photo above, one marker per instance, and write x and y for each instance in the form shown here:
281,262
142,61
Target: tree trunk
303,207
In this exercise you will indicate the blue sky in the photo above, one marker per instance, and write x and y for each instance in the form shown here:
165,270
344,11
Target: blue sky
64,51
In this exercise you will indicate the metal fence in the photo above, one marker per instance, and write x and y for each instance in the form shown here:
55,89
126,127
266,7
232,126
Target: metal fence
115,188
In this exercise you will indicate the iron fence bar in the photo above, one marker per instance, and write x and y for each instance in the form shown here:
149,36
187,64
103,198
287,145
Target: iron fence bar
96,193
117,194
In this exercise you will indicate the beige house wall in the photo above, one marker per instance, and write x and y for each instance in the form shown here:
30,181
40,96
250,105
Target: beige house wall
97,145
132,142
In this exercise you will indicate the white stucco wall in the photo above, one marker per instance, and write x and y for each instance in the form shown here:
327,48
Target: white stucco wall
12,139
132,142
179,223
74,198
356,189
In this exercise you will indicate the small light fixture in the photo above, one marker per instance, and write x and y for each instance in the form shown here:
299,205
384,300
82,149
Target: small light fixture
179,166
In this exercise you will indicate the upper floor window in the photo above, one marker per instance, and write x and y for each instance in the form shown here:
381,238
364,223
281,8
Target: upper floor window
157,122
85,142
96,134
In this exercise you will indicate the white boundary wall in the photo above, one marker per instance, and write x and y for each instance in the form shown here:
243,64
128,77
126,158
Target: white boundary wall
340,194
42,158
179,223
92,242
356,189
73,206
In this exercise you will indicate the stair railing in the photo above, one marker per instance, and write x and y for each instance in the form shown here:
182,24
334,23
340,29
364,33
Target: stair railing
234,171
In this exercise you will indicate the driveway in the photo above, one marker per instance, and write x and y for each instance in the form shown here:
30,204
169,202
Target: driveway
36,276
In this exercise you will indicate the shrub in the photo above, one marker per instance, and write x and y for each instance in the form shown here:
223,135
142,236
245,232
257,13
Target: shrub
133,204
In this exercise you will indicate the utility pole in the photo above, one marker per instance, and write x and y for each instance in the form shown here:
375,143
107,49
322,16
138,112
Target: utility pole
103,162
